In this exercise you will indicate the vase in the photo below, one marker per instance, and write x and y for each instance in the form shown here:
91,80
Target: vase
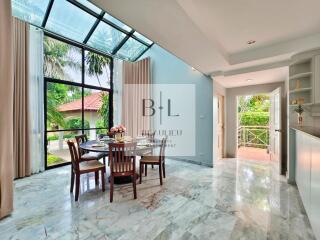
118,136
300,119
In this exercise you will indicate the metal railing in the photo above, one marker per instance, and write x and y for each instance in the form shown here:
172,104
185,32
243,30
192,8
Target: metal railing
253,136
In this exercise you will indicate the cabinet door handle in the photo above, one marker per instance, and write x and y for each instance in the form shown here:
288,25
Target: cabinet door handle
278,130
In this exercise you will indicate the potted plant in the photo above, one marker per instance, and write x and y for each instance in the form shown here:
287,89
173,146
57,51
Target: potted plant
118,131
299,110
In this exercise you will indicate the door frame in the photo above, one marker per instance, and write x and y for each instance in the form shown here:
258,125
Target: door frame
220,125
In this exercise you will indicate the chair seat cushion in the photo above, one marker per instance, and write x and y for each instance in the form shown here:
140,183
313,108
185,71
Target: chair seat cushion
92,156
150,159
146,153
91,165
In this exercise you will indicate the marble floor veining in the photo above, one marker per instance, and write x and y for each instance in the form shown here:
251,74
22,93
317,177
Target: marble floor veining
237,199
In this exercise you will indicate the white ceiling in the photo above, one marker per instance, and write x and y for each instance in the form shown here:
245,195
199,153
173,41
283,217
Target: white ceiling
258,77
212,35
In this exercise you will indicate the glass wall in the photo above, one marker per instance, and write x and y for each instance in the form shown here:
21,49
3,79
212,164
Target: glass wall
84,23
78,96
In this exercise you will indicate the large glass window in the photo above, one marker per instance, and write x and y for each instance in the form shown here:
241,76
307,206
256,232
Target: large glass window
62,61
97,70
77,99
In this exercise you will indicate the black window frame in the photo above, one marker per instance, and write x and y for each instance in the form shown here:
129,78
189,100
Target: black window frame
99,18
83,86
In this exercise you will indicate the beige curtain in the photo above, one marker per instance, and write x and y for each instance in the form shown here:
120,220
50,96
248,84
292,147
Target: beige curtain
6,106
136,87
21,158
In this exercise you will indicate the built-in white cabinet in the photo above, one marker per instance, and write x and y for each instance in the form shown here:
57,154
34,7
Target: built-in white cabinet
303,167
316,79
315,187
304,79
308,176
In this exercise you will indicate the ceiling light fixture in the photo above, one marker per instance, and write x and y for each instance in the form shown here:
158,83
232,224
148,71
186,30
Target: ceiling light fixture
251,42
249,80
193,69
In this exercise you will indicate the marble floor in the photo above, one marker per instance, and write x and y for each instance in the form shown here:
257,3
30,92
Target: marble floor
237,199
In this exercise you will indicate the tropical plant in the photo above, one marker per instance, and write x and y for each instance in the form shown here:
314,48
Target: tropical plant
254,118
96,65
104,110
56,57
56,94
254,103
76,123
59,55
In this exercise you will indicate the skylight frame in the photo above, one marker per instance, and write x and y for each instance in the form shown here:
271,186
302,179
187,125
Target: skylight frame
99,18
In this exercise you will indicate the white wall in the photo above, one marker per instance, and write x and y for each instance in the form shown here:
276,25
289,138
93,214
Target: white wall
231,110
217,90
168,69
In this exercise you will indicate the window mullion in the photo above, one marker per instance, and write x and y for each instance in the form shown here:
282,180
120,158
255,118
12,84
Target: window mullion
82,88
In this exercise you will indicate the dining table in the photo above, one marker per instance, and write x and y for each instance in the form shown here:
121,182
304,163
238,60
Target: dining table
142,148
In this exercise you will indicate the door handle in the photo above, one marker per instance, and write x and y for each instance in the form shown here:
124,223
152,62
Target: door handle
278,130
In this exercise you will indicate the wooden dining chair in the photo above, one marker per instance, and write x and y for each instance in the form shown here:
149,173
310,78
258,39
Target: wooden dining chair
155,160
81,167
122,157
150,136
85,155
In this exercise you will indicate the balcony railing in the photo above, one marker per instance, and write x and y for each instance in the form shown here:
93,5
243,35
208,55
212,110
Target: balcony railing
253,136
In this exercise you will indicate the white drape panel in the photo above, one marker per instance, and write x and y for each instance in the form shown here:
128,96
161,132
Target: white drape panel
136,87
36,98
117,91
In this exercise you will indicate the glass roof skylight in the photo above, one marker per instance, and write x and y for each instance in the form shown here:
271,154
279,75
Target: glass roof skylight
89,5
131,50
30,11
83,22
69,21
105,38
117,22
142,38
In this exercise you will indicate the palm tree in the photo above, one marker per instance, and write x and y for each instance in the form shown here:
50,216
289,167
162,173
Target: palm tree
96,64
58,55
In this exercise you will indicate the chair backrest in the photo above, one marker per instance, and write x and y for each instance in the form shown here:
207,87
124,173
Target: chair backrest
150,135
122,157
81,139
102,135
163,149
74,155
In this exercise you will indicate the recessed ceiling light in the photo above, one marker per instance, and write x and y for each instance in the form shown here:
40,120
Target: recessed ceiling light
251,42
249,80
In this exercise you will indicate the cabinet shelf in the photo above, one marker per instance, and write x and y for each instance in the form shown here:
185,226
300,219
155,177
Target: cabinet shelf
304,104
301,61
301,75
300,90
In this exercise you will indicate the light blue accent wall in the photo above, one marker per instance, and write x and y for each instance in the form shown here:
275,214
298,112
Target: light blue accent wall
168,69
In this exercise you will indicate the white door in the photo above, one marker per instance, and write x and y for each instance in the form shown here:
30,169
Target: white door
220,126
275,128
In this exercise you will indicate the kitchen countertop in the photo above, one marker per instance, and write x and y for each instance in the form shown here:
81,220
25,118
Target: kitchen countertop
313,131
